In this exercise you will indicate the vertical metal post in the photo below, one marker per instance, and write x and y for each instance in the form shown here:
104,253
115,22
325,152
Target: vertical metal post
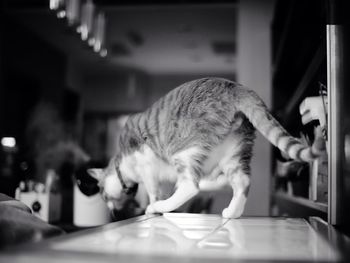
335,84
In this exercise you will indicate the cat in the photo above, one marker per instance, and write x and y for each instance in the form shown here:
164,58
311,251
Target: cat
202,129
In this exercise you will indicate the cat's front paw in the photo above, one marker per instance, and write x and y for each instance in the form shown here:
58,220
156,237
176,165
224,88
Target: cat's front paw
150,209
226,213
158,207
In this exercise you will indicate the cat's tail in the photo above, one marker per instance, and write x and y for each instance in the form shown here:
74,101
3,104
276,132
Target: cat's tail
256,111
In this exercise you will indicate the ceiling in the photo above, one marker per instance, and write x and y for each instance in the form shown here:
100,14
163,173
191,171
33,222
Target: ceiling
180,37
177,39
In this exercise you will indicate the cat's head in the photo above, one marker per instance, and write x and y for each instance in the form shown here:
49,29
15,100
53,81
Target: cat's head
114,190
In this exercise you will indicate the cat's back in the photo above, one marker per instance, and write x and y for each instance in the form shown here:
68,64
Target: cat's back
201,89
202,109
197,96
196,109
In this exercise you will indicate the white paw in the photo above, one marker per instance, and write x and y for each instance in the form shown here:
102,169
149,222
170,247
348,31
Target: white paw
150,209
226,213
156,207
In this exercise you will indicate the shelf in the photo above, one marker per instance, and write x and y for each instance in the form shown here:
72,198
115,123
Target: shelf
302,201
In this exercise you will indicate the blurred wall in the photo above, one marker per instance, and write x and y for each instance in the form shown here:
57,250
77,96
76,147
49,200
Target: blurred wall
74,75
254,71
32,70
106,96
75,84
115,93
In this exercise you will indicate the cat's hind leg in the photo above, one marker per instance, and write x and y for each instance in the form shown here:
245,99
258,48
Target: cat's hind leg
240,182
237,171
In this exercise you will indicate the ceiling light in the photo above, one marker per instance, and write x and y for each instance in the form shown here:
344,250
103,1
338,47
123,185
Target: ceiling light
73,11
79,29
84,33
91,41
87,18
103,52
61,14
81,16
99,31
56,4
9,142
97,46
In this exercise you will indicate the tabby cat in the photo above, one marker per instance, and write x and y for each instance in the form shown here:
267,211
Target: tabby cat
202,129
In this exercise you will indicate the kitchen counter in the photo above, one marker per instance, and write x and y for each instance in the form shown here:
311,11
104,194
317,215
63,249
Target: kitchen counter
175,237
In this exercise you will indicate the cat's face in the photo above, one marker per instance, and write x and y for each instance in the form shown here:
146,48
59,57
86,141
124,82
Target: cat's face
110,186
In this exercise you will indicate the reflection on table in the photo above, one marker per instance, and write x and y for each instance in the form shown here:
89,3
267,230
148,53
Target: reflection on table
208,236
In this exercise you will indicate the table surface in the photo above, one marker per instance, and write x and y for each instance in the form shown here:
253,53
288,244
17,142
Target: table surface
192,237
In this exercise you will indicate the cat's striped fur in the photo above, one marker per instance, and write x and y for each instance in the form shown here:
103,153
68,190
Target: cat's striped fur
203,128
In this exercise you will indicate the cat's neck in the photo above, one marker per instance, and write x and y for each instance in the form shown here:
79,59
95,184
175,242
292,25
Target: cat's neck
137,123
126,166
130,139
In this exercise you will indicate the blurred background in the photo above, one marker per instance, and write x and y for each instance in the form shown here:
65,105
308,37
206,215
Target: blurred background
72,70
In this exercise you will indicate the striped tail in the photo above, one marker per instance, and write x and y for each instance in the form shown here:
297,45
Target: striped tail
257,113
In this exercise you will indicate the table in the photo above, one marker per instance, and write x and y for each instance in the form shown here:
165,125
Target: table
175,237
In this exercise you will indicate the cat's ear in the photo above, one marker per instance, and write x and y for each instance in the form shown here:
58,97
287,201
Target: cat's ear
96,173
